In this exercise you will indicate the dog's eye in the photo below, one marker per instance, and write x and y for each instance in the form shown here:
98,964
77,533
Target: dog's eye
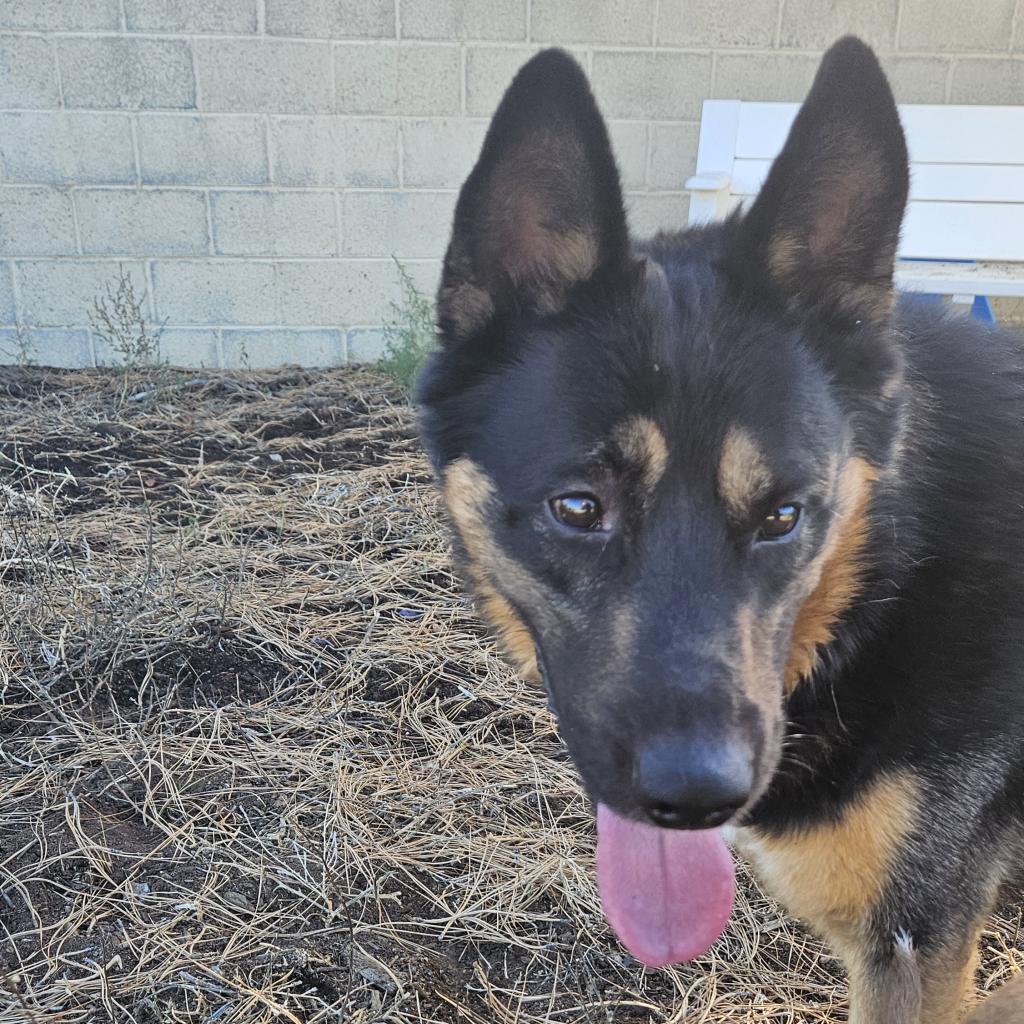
779,522
580,511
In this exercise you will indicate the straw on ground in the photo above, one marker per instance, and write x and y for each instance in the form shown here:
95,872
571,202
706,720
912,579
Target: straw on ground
258,761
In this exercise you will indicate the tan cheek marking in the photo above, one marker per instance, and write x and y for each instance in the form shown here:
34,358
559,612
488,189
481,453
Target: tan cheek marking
833,875
743,474
753,640
513,636
755,661
468,492
839,567
643,444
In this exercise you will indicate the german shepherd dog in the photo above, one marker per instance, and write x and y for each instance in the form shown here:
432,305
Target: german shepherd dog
758,524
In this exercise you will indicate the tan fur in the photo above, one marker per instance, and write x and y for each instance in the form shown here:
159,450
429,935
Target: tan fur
832,875
643,445
932,988
512,634
465,307
891,994
947,982
839,567
743,474
1004,1006
469,494
748,656
786,250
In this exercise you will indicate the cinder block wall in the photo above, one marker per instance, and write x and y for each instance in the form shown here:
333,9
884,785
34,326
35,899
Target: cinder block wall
256,165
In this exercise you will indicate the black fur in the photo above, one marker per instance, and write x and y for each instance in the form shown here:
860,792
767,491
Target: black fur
778,321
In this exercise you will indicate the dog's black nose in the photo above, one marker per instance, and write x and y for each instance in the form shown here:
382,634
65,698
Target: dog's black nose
683,784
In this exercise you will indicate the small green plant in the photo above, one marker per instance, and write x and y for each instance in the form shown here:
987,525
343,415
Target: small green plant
22,353
412,334
243,356
118,320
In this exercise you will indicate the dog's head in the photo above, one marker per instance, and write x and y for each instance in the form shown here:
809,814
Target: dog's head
659,458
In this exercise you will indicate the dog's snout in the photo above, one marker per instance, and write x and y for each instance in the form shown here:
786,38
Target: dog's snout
687,785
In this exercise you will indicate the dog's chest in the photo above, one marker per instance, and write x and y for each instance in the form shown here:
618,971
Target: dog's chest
833,874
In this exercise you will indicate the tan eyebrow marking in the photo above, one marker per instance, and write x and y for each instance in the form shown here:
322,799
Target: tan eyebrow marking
743,474
643,445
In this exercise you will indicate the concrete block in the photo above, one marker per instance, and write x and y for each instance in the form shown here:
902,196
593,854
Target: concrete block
987,81
651,212
388,79
953,25
673,155
657,86
366,344
36,222
463,19
717,22
332,19
7,314
176,150
334,151
770,77
440,152
28,72
183,346
236,16
811,24
264,75
341,292
53,346
215,292
402,224
280,346
274,223
629,143
58,293
60,148
126,73
150,222
60,15
490,70
592,21
917,79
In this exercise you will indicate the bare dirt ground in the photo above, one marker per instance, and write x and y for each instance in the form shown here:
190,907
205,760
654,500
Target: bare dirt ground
258,761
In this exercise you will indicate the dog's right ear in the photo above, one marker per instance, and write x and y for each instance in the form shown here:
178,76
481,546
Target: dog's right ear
542,209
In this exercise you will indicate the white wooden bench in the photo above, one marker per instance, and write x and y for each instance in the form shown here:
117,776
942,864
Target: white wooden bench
966,191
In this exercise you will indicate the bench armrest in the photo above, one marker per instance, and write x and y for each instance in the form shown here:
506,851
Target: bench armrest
709,196
708,183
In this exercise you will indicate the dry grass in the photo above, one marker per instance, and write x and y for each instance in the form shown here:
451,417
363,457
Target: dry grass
259,762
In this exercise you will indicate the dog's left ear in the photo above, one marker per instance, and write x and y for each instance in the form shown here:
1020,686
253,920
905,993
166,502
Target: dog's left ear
541,211
822,233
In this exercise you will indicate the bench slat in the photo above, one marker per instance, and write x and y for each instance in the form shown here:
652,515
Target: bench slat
966,278
953,134
953,183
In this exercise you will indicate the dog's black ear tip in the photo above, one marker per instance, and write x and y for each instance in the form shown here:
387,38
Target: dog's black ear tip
850,54
553,71
849,63
552,63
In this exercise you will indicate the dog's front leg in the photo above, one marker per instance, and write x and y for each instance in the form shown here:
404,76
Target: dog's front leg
895,983
885,989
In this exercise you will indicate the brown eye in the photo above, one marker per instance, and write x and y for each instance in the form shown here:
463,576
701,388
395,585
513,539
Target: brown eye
779,522
580,511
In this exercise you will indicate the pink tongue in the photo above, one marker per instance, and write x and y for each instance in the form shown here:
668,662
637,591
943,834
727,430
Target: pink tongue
667,893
